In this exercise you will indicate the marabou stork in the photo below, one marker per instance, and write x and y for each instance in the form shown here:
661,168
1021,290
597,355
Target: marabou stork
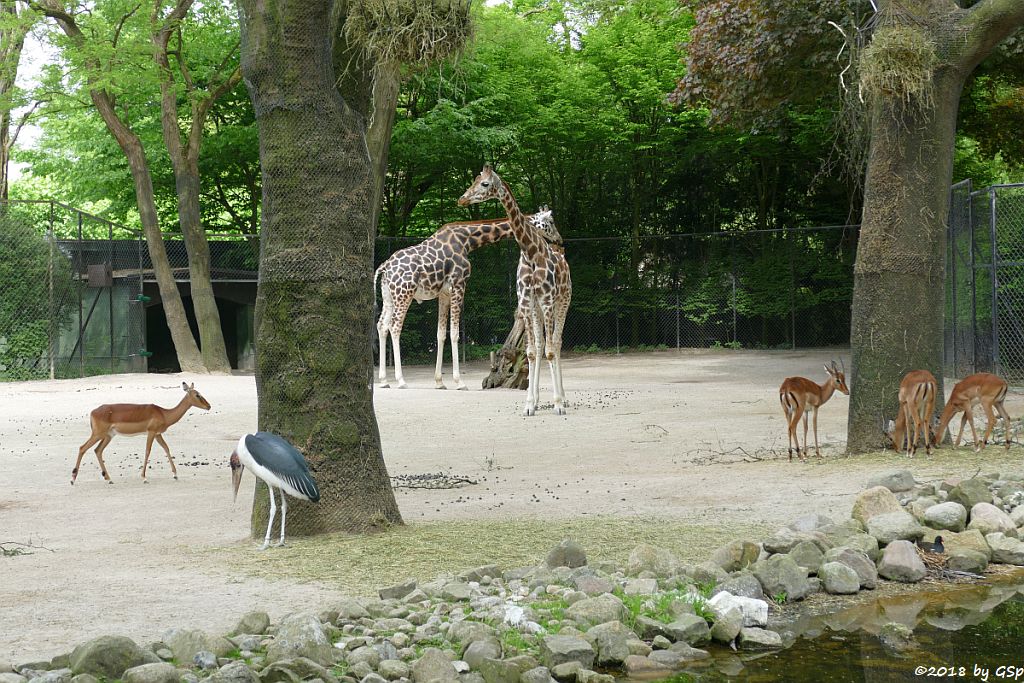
277,463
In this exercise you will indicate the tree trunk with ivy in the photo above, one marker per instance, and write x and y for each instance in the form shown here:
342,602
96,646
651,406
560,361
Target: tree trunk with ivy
912,73
314,307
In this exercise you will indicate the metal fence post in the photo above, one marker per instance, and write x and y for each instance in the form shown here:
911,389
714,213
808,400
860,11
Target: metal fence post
995,280
974,289
792,296
677,317
81,322
110,292
53,314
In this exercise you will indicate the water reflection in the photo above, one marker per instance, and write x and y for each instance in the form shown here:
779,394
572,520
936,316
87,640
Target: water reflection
971,630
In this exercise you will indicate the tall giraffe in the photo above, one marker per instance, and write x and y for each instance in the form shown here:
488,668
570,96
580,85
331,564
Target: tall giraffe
437,268
541,303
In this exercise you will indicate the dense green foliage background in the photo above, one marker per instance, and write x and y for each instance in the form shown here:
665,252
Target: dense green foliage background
570,99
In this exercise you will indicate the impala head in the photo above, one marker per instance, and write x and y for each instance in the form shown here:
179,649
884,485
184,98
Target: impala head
485,187
838,376
236,473
544,222
194,397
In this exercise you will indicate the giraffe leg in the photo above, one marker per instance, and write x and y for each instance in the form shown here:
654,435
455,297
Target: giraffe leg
163,444
383,326
557,369
533,389
458,296
81,452
443,305
401,309
270,522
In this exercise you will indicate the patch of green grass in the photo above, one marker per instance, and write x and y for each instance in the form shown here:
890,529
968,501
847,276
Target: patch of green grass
780,598
555,607
514,641
705,588
359,565
437,641
659,607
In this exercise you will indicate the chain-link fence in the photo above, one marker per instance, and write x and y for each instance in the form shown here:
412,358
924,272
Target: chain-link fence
985,281
78,295
752,289
69,293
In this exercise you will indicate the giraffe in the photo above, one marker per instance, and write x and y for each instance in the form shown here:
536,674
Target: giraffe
560,297
539,301
437,268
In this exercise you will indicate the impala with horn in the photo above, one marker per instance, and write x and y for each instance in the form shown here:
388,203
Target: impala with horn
798,393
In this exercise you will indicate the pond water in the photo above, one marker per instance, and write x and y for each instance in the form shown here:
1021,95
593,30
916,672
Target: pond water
963,633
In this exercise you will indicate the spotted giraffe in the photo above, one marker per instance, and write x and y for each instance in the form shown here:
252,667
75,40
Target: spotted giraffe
554,298
539,303
437,268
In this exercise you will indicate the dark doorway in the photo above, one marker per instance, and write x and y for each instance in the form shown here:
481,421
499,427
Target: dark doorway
158,335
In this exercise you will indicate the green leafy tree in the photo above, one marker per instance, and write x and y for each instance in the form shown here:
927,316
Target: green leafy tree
125,58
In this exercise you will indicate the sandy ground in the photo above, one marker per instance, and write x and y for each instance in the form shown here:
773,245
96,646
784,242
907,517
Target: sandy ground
697,436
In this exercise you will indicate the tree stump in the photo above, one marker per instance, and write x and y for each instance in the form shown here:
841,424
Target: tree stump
509,368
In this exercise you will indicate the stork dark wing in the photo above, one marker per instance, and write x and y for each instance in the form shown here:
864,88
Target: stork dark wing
280,457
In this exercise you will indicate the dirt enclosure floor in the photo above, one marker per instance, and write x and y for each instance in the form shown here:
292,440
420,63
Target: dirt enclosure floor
694,438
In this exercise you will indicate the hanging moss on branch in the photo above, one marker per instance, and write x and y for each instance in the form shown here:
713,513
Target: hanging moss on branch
900,63
408,32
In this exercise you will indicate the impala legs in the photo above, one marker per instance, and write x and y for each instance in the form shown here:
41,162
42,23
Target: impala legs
1006,420
103,440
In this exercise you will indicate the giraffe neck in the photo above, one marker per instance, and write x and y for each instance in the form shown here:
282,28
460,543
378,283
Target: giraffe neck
476,235
530,241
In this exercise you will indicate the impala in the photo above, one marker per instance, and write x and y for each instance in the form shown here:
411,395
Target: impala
917,404
797,393
131,419
984,388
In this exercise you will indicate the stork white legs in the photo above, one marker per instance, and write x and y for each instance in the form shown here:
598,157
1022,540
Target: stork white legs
270,523
284,513
273,513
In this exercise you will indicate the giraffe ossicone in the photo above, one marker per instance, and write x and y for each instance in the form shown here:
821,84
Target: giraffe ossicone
543,287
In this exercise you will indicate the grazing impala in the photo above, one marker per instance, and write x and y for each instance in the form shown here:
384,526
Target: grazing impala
797,393
131,419
917,405
984,388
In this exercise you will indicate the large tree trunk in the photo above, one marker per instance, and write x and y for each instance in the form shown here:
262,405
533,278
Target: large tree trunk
898,295
184,344
12,42
314,308
211,335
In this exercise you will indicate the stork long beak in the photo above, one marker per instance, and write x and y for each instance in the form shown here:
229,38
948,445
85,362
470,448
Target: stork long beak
236,474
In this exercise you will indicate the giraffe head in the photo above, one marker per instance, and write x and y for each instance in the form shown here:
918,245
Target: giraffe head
485,187
544,222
